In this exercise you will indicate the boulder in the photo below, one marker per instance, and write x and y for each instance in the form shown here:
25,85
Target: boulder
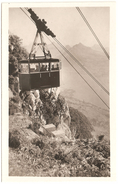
65,128
30,135
58,133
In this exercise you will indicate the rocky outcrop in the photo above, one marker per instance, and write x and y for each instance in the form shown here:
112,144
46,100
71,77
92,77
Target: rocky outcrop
49,107
65,128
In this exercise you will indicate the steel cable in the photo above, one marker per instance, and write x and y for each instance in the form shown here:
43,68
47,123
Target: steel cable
84,18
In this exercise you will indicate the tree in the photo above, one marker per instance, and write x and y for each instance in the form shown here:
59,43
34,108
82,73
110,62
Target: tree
16,53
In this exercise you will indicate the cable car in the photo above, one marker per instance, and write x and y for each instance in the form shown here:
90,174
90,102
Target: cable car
43,71
39,73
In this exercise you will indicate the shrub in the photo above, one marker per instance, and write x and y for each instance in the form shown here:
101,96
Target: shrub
35,126
51,109
13,84
13,105
14,141
15,99
38,143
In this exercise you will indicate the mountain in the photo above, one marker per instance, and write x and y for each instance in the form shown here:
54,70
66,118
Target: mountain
72,83
98,48
93,60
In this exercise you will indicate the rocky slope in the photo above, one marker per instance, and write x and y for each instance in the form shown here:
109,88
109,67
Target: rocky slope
43,156
31,153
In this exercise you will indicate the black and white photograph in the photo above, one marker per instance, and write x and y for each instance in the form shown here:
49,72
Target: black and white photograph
59,89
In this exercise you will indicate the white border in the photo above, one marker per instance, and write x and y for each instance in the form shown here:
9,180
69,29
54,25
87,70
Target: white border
5,128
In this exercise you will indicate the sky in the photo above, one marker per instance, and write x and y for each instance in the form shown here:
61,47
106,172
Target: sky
66,23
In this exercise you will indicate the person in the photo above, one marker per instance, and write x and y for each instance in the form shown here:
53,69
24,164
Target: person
57,66
43,67
37,68
53,67
47,67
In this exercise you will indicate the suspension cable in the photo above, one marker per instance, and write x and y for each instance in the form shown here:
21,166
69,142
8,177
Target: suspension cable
84,18
80,64
27,15
79,73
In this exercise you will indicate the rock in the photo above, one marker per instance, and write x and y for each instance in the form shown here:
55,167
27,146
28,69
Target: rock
41,130
43,121
65,117
58,133
65,128
30,135
36,94
49,127
10,93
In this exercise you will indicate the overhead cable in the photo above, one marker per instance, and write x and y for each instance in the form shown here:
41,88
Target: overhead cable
84,18
80,64
27,15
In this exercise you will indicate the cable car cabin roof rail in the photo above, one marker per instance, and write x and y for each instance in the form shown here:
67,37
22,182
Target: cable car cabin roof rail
41,60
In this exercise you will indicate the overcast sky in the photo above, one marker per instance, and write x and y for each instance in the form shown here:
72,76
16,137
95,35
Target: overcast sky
66,23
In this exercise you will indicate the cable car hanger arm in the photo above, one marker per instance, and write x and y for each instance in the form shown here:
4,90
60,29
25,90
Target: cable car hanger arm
40,24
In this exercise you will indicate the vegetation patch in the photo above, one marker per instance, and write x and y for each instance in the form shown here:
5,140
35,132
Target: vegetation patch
14,141
80,125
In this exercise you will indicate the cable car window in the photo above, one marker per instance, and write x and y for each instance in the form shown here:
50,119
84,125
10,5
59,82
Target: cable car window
24,68
44,67
55,66
34,67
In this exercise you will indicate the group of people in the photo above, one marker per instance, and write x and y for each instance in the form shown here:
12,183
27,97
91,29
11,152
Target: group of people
55,67
34,67
45,67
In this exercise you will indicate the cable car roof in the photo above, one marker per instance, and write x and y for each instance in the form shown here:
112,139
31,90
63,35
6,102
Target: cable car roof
39,60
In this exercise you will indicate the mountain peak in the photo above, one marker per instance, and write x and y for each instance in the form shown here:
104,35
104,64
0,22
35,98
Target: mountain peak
80,46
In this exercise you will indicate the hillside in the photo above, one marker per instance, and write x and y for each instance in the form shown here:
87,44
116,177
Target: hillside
43,156
32,153
98,117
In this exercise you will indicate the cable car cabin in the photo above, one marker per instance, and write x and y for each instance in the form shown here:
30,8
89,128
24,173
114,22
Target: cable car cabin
39,74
